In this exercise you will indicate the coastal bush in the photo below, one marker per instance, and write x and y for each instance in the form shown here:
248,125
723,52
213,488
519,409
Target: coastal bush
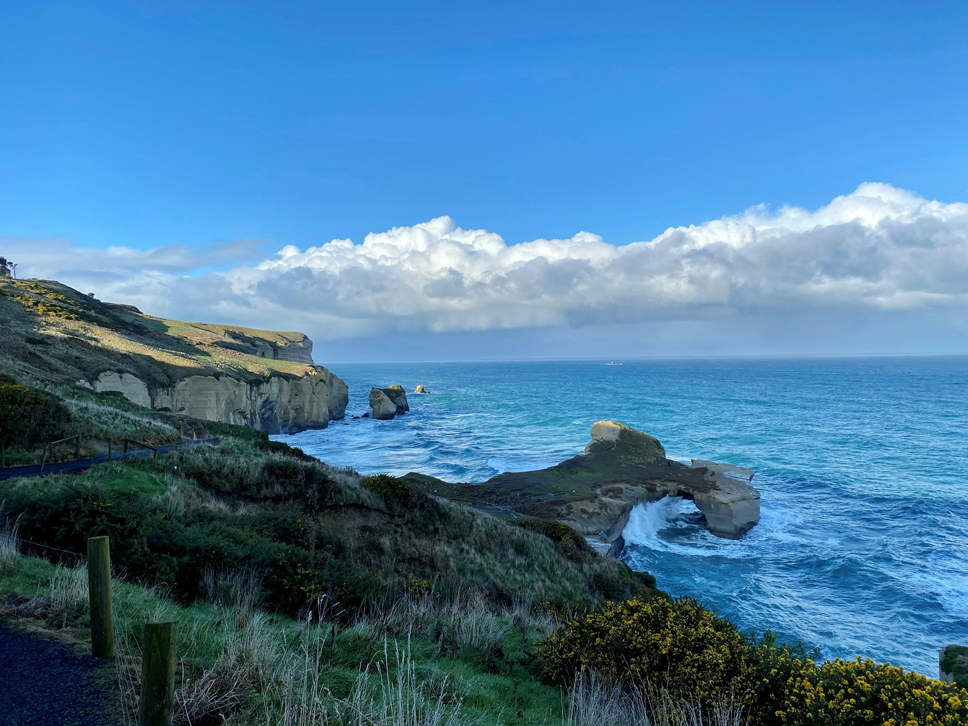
794,691
678,646
162,545
570,543
29,418
395,491
955,662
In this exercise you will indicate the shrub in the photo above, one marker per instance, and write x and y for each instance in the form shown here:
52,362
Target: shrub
569,542
29,417
395,491
794,690
956,663
678,646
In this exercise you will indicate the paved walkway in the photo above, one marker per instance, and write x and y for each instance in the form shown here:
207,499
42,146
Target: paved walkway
44,682
64,467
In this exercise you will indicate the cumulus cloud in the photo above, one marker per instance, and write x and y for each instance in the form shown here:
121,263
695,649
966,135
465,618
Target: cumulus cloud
879,247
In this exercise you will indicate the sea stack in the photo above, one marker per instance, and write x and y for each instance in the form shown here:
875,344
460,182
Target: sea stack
388,402
420,389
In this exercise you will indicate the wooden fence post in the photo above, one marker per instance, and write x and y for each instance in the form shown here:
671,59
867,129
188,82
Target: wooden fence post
99,586
158,674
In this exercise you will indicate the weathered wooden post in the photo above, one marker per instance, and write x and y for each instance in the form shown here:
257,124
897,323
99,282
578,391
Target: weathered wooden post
158,674
99,587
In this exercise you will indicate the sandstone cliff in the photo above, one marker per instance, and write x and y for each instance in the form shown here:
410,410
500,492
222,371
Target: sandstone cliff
595,492
224,373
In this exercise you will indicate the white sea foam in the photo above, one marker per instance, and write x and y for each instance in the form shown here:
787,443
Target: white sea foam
649,526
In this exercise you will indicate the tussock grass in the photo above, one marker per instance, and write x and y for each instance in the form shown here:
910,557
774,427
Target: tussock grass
593,701
9,542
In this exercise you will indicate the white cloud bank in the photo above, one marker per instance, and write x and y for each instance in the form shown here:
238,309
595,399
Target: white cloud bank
877,248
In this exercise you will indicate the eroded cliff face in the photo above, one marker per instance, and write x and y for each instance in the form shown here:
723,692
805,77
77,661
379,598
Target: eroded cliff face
282,404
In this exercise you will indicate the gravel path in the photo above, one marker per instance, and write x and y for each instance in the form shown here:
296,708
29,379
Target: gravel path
44,682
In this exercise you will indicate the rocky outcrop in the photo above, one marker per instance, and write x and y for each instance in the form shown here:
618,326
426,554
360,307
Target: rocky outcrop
383,408
132,387
621,468
388,402
420,389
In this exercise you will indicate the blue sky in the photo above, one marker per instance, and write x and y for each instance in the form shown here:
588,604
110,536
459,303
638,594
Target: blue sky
259,125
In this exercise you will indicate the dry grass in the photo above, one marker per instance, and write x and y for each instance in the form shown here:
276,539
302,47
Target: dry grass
388,692
594,702
9,542
465,620
63,603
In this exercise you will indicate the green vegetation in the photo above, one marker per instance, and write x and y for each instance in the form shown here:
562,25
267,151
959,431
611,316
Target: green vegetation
28,417
955,662
680,648
674,646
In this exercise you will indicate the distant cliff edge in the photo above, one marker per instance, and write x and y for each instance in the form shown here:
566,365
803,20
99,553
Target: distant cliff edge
51,332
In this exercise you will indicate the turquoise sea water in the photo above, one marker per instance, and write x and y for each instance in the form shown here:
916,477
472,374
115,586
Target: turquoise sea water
862,465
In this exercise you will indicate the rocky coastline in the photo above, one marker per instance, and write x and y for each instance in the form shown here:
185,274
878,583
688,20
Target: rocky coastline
596,491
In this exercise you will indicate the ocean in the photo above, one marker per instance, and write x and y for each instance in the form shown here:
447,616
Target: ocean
862,465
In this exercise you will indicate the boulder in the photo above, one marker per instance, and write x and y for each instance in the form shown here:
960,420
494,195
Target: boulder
420,389
383,406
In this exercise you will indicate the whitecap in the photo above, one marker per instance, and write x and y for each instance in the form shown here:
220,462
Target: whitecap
651,525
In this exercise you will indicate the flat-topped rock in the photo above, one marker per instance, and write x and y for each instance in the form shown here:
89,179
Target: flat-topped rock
595,492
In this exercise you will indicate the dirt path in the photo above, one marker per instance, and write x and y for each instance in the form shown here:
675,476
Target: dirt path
44,682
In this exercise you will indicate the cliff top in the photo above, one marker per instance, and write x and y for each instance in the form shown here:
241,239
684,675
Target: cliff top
52,332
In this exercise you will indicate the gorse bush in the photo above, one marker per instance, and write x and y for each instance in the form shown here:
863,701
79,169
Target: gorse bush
678,646
798,692
683,649
395,491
